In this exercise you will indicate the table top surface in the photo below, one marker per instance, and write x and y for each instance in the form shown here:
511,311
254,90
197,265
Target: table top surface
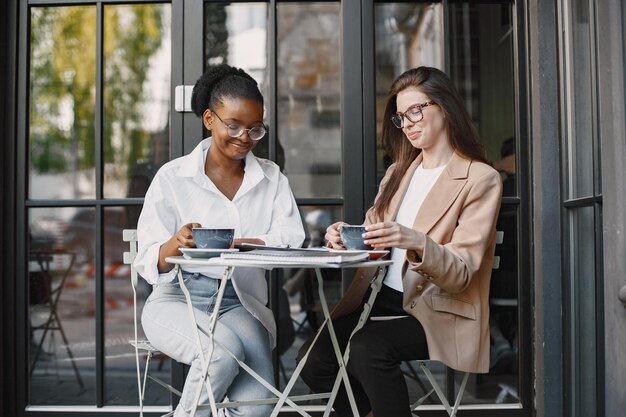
217,261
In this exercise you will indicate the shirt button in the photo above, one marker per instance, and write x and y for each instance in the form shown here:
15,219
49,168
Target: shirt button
419,288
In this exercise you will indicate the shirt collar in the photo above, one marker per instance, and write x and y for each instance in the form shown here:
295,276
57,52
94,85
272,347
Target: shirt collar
193,164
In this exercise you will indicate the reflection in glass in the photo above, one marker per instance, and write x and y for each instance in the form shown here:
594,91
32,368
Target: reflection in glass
62,102
481,68
408,35
137,53
61,306
309,96
298,308
119,363
580,128
236,34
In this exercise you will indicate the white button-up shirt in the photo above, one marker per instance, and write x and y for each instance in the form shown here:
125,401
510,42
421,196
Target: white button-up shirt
181,193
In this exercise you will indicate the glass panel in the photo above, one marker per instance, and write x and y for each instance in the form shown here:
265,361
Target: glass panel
120,368
309,96
137,56
407,36
580,127
481,67
299,310
62,102
236,34
583,319
62,351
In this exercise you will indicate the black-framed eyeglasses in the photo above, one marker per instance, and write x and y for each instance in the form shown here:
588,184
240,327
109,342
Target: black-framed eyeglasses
235,130
413,114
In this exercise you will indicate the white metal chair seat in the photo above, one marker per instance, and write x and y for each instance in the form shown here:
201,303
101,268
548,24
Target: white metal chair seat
143,345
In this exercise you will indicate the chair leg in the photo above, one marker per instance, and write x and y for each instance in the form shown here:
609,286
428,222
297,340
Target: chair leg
412,373
145,377
459,395
436,387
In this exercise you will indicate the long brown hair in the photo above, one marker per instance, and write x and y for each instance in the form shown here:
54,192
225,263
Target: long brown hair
461,132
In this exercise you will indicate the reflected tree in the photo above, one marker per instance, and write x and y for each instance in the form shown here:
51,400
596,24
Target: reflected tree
63,63
63,83
215,35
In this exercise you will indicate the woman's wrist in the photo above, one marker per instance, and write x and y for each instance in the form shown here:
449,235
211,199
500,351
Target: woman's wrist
419,242
169,248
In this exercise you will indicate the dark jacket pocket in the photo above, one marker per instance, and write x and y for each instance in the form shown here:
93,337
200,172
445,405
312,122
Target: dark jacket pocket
454,306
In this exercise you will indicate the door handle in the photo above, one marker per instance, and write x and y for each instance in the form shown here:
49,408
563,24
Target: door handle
622,295
182,98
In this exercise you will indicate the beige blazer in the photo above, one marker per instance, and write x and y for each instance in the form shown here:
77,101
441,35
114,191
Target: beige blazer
447,289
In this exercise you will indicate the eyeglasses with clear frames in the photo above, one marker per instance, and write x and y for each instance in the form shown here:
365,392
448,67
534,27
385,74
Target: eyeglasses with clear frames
235,131
413,114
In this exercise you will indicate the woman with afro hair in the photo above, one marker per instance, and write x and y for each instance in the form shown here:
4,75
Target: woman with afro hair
220,184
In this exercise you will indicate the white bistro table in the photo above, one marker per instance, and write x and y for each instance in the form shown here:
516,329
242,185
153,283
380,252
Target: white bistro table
281,397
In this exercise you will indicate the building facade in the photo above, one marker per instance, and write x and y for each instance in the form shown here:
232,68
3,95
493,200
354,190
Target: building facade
93,103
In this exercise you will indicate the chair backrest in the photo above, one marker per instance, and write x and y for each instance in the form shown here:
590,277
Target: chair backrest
130,236
499,240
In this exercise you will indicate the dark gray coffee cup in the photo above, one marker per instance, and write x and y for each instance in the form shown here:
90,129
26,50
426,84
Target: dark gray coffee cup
351,237
213,238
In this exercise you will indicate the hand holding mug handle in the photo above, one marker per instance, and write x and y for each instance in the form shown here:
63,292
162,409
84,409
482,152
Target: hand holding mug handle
333,238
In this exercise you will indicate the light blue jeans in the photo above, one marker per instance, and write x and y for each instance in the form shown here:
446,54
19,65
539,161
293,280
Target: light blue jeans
167,325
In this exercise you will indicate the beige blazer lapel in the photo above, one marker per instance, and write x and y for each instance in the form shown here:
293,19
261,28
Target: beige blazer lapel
442,195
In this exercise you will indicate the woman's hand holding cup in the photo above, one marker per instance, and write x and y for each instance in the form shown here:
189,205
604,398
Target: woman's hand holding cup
333,238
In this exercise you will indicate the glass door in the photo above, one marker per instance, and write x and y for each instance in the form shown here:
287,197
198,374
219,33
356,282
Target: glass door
97,129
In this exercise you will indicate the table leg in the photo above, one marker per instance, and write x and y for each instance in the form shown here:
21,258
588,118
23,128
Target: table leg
206,360
376,285
342,372
342,375
285,394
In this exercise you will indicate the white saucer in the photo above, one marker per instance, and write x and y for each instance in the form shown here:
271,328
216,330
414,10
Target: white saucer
374,253
195,253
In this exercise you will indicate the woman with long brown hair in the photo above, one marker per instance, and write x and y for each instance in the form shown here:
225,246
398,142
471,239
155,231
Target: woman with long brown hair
436,210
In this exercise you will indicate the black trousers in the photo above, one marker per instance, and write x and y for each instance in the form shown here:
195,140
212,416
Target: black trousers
376,352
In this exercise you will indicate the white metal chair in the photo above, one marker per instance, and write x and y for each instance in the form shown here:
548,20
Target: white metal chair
130,236
422,364
451,410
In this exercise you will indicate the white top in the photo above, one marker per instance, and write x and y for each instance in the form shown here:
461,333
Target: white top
181,193
421,184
